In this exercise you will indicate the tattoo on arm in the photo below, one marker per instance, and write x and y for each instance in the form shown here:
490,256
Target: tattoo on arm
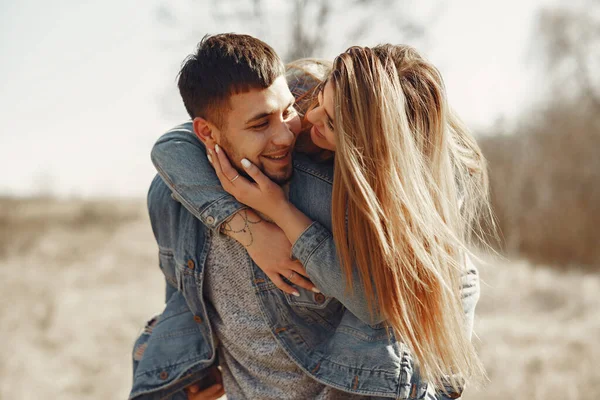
239,227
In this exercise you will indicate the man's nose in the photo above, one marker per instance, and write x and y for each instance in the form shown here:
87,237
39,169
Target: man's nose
284,136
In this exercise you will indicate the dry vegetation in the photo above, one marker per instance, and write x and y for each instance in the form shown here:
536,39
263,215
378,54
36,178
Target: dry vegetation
545,181
545,172
79,280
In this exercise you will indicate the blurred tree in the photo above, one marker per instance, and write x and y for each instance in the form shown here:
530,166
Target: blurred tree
304,27
308,39
296,29
546,176
570,49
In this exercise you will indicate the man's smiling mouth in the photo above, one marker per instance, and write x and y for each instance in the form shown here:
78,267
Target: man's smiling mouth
279,156
279,159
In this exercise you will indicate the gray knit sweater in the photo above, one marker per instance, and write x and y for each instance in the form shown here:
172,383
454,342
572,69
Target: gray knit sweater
253,365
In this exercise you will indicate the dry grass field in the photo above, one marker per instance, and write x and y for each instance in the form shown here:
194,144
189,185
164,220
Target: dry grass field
78,280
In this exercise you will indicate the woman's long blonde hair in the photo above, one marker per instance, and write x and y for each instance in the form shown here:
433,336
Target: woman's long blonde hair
409,183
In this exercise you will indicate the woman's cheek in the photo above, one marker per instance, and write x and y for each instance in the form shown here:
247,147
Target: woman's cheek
330,136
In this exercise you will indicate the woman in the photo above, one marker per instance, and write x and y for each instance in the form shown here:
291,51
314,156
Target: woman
403,166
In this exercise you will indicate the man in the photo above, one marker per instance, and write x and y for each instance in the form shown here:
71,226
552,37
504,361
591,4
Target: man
269,344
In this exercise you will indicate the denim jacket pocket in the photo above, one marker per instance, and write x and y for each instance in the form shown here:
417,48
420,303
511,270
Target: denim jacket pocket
309,300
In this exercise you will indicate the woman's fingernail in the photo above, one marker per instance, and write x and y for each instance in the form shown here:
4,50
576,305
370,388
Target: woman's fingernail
316,290
246,163
296,294
217,149
209,158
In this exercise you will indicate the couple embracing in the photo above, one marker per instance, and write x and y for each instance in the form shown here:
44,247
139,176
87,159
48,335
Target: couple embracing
313,223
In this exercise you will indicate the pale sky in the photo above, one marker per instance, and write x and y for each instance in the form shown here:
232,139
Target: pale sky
88,86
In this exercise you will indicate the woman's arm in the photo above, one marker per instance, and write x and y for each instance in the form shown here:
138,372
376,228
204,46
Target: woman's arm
314,245
181,161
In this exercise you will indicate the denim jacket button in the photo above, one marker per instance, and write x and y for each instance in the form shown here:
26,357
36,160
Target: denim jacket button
197,319
210,220
320,298
164,375
190,264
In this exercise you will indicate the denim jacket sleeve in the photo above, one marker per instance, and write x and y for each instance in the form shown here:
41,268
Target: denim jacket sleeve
180,159
181,162
315,249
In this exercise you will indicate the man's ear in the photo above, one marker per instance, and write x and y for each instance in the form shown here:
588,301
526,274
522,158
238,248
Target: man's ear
205,131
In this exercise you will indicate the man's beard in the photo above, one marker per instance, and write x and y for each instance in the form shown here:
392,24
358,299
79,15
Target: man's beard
232,155
283,180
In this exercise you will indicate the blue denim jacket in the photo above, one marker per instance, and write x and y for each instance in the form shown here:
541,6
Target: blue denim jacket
331,336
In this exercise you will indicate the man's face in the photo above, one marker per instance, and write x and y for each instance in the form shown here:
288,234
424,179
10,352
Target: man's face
261,125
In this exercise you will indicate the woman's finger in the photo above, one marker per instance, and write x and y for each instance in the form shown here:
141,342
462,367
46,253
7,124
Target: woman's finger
214,159
228,171
225,172
255,173
195,388
298,267
301,272
301,281
278,281
211,393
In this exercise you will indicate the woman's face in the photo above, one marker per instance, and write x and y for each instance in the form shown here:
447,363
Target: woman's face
321,117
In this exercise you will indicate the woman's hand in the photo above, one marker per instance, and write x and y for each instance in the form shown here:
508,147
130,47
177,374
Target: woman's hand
271,251
263,195
213,392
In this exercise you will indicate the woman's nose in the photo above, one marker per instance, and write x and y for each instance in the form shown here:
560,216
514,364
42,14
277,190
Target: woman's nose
311,115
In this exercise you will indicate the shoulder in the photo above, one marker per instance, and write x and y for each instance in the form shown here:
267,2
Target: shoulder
164,211
183,131
186,127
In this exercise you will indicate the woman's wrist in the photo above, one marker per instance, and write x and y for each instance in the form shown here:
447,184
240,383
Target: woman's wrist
282,212
291,220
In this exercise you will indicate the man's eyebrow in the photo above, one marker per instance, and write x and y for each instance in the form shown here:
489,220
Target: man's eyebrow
267,113
259,116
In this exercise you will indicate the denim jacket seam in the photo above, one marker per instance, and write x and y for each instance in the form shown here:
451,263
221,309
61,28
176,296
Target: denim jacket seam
215,204
302,234
181,311
188,204
169,366
178,333
316,247
165,251
164,388
298,165
357,368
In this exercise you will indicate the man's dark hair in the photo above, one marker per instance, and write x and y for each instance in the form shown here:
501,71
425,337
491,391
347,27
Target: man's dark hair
224,65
